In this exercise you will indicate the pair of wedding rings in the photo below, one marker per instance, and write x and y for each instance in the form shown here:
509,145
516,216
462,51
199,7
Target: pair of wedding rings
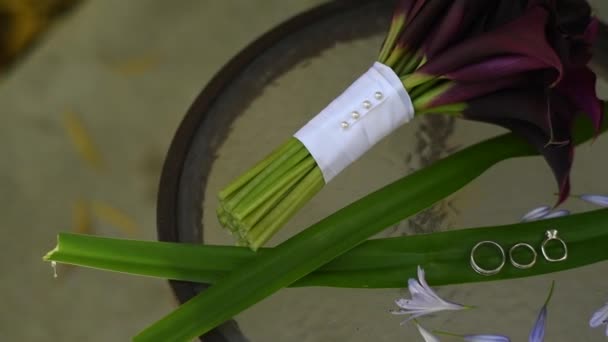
550,235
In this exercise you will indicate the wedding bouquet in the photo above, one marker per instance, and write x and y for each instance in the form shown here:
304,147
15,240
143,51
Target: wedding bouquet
518,64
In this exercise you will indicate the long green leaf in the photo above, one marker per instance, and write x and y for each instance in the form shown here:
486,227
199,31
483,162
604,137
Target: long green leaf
380,263
266,273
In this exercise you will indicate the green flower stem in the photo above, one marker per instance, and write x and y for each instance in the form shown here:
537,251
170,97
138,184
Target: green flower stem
283,211
379,263
273,183
423,100
419,90
410,81
553,282
252,207
397,56
454,109
407,65
265,208
305,252
246,177
396,26
291,148
413,64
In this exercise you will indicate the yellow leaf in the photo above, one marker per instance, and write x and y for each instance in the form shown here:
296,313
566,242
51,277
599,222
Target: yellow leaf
82,141
116,218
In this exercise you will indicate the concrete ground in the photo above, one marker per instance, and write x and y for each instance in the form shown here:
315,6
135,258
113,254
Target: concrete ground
128,70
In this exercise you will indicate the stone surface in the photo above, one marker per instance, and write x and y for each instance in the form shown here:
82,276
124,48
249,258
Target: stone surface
129,70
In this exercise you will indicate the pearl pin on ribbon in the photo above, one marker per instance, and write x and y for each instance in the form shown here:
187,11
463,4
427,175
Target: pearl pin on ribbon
368,110
355,115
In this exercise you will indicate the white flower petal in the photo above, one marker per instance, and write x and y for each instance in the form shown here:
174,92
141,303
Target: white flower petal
413,314
600,200
410,318
424,300
428,337
557,213
599,317
426,286
536,213
420,293
420,272
402,302
453,306
407,304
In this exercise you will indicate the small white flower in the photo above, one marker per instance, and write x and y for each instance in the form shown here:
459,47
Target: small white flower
600,200
424,300
536,213
600,317
427,336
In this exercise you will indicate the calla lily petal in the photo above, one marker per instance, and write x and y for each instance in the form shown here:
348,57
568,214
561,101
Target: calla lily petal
572,15
524,113
425,15
523,36
578,86
503,12
495,68
465,91
559,157
461,15
524,106
409,8
520,64
403,8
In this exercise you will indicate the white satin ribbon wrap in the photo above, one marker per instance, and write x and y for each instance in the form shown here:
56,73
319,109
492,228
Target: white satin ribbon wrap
335,138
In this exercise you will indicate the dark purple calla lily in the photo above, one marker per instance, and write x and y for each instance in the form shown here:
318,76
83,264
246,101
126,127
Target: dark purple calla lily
523,111
496,68
520,64
527,71
578,85
455,25
421,16
409,8
524,37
